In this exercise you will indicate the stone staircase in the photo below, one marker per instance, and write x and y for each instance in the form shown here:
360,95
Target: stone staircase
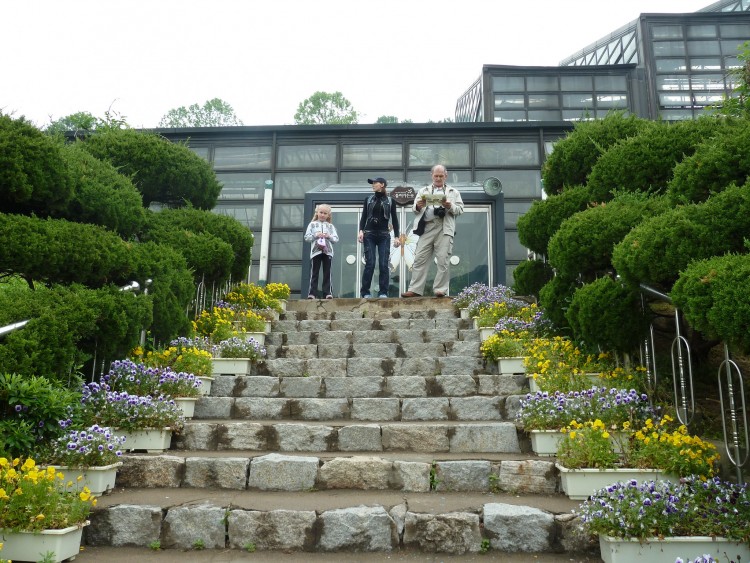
374,425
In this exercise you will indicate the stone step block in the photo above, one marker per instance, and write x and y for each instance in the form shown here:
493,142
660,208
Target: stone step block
289,472
433,436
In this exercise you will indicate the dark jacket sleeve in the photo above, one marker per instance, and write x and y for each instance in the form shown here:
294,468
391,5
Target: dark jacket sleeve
363,218
394,218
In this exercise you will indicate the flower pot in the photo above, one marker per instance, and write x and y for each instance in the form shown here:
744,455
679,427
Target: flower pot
259,337
282,302
545,442
187,404
464,313
485,332
35,546
152,440
653,550
206,382
231,366
580,484
99,480
268,325
475,323
533,385
511,366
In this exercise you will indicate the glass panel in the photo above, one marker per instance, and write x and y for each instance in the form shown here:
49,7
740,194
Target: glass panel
672,82
507,84
707,82
242,157
669,48
707,99
250,215
514,250
242,185
516,183
544,101
703,48
630,54
510,115
450,154
741,31
294,185
421,178
289,274
703,31
548,83
360,177
676,115
471,248
731,47
372,156
667,100
286,246
670,65
544,115
666,32
289,215
345,273
513,210
610,83
306,156
505,101
705,64
582,100
201,152
577,115
569,83
612,101
732,62
507,154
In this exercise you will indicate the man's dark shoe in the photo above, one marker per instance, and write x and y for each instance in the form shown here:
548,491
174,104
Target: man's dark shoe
439,294
410,294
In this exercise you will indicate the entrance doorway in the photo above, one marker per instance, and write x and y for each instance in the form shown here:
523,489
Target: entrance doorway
472,260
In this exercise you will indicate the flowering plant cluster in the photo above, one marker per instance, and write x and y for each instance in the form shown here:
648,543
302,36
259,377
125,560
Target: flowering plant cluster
34,499
120,409
478,291
493,312
237,347
490,296
614,407
277,290
663,445
694,507
227,319
588,445
140,379
503,345
251,296
182,355
95,446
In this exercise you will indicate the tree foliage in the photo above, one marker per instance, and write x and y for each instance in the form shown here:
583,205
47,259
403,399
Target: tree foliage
81,121
164,172
325,108
574,156
213,113
530,276
645,162
33,174
537,226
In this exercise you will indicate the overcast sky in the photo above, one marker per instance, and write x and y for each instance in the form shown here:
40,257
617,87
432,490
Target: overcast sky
408,58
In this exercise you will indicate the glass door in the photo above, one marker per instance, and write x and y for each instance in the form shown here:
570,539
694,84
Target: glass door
471,261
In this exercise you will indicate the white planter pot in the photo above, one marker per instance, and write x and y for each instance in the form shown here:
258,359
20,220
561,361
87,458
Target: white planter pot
268,325
511,366
99,480
475,323
545,442
259,337
206,382
152,440
580,484
533,385
485,332
187,404
283,304
231,366
655,550
30,546
464,314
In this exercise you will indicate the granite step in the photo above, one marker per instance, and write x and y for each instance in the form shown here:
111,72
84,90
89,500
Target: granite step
328,436
336,520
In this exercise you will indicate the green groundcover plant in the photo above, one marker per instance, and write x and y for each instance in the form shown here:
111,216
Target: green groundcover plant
694,507
95,446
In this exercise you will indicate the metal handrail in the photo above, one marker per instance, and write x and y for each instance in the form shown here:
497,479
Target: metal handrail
7,329
734,453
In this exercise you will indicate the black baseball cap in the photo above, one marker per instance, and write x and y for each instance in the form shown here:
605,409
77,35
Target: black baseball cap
378,179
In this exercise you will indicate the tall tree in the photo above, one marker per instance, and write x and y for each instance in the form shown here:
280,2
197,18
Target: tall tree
325,108
213,113
79,121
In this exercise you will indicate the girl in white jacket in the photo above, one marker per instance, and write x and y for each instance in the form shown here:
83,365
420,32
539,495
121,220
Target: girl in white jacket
322,234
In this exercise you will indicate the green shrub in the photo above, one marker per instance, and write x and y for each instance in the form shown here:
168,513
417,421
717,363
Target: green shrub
530,276
555,298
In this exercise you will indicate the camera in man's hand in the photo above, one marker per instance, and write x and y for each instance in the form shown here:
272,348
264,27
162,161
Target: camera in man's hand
439,211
